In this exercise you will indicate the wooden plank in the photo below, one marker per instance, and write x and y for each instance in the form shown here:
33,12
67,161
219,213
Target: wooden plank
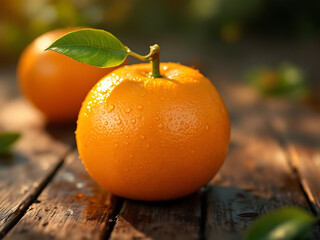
256,176
269,182
72,206
179,219
299,129
35,159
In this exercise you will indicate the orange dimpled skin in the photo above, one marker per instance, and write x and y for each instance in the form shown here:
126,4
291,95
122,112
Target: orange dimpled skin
153,139
54,83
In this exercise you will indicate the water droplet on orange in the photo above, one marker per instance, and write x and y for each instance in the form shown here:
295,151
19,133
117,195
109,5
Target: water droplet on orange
133,121
140,107
119,122
128,110
160,125
79,195
142,137
110,108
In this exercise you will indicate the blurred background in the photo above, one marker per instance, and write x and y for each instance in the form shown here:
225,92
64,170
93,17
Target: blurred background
272,45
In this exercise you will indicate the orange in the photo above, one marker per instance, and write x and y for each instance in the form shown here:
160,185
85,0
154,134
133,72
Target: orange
54,83
153,139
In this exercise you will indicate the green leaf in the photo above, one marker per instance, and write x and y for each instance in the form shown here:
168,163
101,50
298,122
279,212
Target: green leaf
95,47
285,223
6,140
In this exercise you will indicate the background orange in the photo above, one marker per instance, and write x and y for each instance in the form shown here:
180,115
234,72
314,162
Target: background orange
54,83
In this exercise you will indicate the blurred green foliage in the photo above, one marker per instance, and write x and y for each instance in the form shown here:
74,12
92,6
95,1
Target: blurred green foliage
284,223
225,20
7,139
288,80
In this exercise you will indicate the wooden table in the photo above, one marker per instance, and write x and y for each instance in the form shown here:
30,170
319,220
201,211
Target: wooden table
45,192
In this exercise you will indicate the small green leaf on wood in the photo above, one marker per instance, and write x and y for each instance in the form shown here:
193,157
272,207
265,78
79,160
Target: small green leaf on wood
6,140
95,47
285,223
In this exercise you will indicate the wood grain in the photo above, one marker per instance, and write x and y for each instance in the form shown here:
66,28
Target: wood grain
34,160
177,220
256,177
299,129
273,161
72,206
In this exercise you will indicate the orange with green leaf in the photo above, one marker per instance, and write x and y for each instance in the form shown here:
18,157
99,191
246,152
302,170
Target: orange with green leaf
151,132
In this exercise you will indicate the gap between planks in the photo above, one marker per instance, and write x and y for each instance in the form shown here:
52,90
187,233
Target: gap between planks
35,159
299,134
258,166
295,169
72,206
23,207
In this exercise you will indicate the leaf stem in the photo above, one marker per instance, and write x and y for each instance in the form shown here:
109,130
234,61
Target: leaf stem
153,56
